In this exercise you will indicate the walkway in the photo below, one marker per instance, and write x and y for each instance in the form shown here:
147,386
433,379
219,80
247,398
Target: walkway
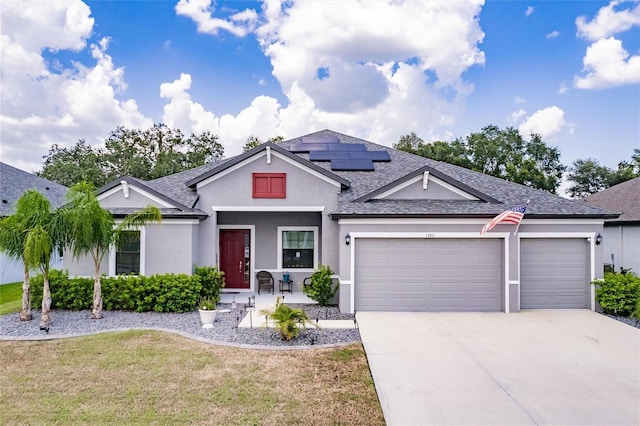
268,301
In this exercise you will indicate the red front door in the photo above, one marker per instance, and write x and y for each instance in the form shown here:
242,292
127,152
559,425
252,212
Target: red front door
235,257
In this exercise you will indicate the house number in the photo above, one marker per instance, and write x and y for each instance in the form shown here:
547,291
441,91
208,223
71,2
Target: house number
430,235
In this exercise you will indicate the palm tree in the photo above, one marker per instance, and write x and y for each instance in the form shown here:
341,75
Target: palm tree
12,240
93,231
31,234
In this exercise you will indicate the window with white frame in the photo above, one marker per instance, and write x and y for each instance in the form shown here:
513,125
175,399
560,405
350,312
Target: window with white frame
128,253
297,247
127,256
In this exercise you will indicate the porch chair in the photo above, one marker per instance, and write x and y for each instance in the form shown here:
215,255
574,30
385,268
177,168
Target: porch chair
306,282
265,280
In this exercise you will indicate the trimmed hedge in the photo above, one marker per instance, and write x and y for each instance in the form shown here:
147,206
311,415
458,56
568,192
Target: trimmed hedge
618,293
159,293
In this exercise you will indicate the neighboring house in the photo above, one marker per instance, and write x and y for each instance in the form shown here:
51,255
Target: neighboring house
621,236
400,231
13,183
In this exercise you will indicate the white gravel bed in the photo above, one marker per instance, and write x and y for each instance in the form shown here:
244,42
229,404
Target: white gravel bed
74,323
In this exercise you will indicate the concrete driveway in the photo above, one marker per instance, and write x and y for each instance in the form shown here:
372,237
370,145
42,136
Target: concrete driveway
570,367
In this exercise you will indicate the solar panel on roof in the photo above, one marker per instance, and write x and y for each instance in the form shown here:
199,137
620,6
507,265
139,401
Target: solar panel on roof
370,155
307,147
328,155
347,147
352,165
320,139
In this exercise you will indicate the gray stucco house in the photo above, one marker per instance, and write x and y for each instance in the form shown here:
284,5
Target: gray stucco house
621,236
401,232
13,183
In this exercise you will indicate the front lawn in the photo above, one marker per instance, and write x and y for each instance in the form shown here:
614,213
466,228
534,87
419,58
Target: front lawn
10,298
149,377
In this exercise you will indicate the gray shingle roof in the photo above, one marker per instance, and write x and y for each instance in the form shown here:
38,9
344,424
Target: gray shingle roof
496,195
507,194
14,182
174,186
623,198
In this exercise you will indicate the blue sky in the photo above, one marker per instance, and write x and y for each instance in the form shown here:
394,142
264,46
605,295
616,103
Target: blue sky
569,70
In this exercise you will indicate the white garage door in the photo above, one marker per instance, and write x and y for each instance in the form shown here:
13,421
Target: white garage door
554,273
428,275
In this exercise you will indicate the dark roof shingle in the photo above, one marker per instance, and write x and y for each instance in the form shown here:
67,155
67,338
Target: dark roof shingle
14,182
623,198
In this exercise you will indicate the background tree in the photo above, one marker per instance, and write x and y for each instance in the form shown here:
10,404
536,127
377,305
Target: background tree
502,153
93,231
254,141
71,165
145,154
588,176
157,152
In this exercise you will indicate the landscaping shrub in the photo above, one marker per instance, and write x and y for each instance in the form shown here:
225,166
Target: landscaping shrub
618,294
636,313
321,289
159,293
66,293
287,320
212,281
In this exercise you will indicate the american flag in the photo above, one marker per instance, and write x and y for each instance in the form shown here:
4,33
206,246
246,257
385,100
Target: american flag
513,216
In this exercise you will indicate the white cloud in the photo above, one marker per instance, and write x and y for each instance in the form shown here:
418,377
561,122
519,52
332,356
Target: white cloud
547,122
259,119
45,103
608,64
563,88
516,116
201,11
608,21
372,69
528,11
519,100
553,34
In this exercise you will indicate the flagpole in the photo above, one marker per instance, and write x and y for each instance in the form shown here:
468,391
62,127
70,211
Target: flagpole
518,225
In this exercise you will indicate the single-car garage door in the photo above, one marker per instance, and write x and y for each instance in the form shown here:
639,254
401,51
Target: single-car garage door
554,273
428,275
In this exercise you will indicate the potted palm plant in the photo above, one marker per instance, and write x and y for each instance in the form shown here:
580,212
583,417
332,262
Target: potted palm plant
208,312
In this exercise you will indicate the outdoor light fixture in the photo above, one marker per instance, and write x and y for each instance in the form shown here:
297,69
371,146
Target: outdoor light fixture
347,239
598,239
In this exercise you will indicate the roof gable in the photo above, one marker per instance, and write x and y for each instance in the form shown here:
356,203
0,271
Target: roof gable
453,189
130,186
266,150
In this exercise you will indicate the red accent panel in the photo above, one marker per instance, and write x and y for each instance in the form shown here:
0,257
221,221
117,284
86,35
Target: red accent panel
269,185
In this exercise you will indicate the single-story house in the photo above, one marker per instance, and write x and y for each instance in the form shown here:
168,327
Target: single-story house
13,183
621,236
401,232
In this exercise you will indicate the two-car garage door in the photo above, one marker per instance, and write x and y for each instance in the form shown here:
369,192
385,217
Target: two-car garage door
403,274
429,275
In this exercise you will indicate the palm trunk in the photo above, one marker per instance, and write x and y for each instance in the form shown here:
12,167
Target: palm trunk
45,316
96,310
25,312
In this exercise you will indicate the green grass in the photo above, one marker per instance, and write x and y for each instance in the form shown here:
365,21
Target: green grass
10,298
149,377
